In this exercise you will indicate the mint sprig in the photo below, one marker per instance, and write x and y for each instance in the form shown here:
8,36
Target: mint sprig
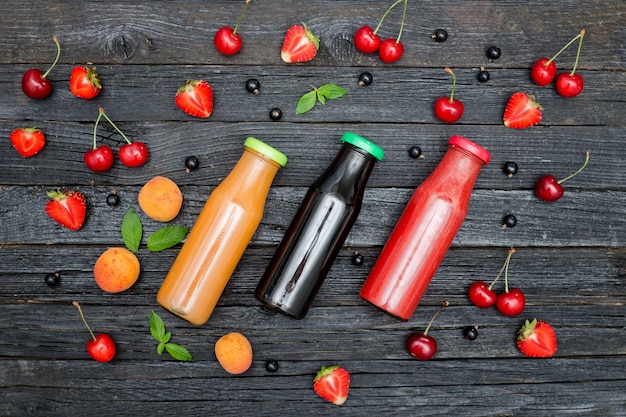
157,330
132,231
166,237
320,94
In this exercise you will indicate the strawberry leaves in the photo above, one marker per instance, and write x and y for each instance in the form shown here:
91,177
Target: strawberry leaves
321,94
157,330
161,239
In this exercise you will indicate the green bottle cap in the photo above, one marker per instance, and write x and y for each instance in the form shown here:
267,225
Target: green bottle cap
362,143
265,149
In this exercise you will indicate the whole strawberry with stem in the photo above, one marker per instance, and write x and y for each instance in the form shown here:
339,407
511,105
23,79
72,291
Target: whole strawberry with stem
447,109
510,302
543,70
131,154
367,40
227,41
102,347
481,294
571,84
420,345
391,49
549,189
36,83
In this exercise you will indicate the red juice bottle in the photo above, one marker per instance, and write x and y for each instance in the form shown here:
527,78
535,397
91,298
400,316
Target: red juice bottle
425,230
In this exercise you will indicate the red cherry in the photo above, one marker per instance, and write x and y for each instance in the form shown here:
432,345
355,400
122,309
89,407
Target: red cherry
569,85
133,154
390,50
366,40
511,303
420,345
99,159
102,347
481,295
543,71
549,189
447,109
35,83
226,41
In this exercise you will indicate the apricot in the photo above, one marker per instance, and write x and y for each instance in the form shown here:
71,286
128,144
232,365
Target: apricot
234,353
116,270
161,199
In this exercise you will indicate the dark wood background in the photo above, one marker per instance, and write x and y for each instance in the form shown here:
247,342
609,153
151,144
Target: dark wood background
570,259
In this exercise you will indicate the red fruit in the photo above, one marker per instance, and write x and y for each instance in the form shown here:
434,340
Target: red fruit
366,41
332,384
84,82
300,45
543,71
522,111
549,189
447,109
420,345
99,159
481,295
67,208
195,98
569,85
36,83
511,303
390,50
131,154
226,41
27,140
537,338
102,347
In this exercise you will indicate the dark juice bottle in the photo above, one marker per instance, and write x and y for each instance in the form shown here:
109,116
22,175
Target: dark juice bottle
425,230
318,230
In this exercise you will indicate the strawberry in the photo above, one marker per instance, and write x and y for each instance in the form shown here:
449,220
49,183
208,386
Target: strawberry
84,82
537,338
300,45
332,384
522,111
195,98
67,208
27,140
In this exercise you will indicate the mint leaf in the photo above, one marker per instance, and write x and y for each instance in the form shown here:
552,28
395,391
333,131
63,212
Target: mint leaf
131,230
331,91
306,102
166,237
160,348
320,97
178,352
157,327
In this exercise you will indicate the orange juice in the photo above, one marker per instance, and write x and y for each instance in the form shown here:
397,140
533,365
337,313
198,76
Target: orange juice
220,235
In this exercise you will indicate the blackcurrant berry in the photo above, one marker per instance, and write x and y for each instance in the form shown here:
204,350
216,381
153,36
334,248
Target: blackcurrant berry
271,365
415,152
510,168
470,332
53,279
440,35
483,76
357,259
493,52
192,163
113,199
276,114
509,221
253,86
365,79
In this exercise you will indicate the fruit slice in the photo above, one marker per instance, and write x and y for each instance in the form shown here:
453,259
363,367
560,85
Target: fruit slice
332,384
27,141
522,111
300,45
537,338
68,208
84,82
195,98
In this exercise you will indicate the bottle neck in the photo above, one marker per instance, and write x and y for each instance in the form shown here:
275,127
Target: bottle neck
349,171
253,173
457,170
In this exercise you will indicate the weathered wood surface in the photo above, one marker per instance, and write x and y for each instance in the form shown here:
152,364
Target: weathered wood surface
570,259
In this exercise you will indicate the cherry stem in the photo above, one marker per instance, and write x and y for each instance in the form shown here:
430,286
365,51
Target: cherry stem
449,71
504,267
580,35
402,23
56,41
580,44
80,310
95,128
506,270
577,172
444,304
385,15
241,17
101,110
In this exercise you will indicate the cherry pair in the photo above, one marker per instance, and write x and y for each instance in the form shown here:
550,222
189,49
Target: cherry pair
368,41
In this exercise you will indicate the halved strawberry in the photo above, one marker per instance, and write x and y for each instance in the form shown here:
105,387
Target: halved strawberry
27,140
537,338
68,208
84,82
332,384
195,98
300,45
522,111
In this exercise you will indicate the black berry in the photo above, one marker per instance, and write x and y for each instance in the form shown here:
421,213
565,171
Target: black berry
271,365
470,332
510,168
357,259
365,79
253,86
53,279
493,52
509,221
113,199
440,35
192,163
276,114
483,76
415,152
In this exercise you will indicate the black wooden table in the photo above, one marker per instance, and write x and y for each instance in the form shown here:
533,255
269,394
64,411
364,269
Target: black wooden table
570,259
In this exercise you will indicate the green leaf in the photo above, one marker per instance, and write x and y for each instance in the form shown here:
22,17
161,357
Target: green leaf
157,327
166,237
331,91
131,230
306,102
178,352
161,348
167,337
320,97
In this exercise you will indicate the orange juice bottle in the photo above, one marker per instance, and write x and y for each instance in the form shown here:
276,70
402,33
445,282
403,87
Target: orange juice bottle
220,235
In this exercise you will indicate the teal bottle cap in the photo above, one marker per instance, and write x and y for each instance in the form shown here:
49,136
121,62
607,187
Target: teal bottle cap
470,146
362,143
265,149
